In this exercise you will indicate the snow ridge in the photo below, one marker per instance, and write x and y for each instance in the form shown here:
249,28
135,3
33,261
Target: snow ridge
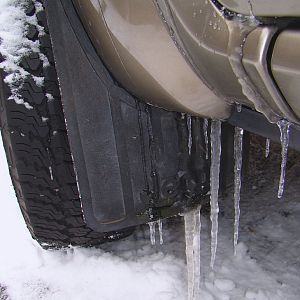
14,45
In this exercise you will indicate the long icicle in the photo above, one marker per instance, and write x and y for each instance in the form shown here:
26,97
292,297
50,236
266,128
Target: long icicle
152,232
192,226
205,131
188,229
238,159
214,185
160,229
284,127
267,148
189,126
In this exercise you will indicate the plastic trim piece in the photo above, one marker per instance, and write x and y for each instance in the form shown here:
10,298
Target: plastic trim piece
265,8
255,61
285,65
257,123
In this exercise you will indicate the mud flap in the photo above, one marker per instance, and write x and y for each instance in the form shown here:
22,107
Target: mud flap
132,161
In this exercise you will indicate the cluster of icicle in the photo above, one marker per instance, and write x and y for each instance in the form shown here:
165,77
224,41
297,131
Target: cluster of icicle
192,221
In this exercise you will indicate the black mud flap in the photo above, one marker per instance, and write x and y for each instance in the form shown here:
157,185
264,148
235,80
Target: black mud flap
134,163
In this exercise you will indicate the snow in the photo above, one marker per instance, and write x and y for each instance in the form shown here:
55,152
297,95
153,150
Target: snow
224,285
14,46
267,264
49,97
130,270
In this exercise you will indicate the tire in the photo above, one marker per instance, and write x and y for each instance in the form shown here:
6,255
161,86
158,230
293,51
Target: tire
38,152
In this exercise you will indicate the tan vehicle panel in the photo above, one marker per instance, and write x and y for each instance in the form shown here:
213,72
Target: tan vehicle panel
188,56
256,64
216,46
286,66
206,36
137,48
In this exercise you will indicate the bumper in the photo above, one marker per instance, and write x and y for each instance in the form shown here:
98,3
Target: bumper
137,48
195,56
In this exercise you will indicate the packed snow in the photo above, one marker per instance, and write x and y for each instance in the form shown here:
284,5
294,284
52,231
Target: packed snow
14,45
267,264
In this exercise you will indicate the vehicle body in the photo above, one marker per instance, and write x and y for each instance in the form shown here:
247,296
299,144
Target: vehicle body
200,56
136,79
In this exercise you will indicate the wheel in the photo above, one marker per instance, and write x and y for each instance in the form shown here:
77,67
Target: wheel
37,148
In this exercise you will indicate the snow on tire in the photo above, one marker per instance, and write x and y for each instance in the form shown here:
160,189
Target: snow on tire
35,137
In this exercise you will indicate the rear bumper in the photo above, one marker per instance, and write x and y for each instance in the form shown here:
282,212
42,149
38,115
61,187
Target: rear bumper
194,56
138,49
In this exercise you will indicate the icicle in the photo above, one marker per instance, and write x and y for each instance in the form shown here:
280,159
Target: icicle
152,227
205,131
284,127
192,226
238,158
189,126
214,185
152,232
238,107
160,229
267,148
51,173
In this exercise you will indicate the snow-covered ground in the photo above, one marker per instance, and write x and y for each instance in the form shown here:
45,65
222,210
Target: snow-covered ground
267,265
